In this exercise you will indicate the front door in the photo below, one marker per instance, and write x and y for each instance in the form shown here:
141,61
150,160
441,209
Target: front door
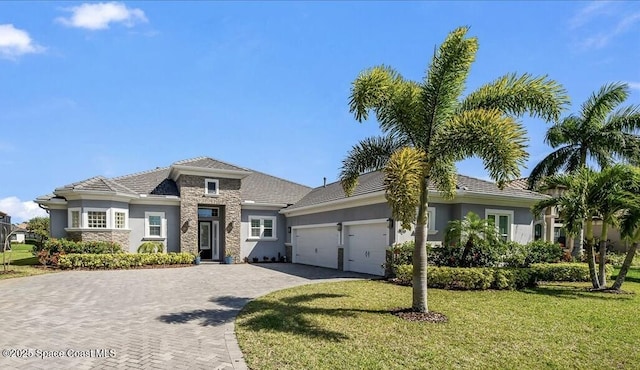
208,240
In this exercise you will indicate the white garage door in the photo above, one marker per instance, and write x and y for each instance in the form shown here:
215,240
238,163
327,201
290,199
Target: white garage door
317,246
367,244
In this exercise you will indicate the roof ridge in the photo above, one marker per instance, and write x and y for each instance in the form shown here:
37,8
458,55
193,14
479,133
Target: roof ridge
139,173
184,161
190,160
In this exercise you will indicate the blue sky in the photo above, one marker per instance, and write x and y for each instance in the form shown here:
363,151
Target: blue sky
110,89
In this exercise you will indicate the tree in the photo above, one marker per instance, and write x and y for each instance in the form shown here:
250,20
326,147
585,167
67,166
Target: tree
428,126
588,195
630,229
598,133
469,231
40,227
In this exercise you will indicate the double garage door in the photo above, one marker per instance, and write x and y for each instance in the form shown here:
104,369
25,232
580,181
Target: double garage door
364,246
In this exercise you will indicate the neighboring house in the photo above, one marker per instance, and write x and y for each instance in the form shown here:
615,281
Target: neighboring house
5,227
20,233
351,233
197,205
217,208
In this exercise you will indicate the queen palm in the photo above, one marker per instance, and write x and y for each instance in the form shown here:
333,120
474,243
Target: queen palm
427,126
598,133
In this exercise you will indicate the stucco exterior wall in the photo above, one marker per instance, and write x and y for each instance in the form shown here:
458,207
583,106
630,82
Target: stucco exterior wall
261,248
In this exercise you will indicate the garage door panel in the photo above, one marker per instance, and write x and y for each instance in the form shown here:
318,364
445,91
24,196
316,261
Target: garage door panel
317,246
367,246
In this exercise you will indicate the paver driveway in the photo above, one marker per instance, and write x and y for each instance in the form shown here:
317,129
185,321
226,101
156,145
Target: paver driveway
179,318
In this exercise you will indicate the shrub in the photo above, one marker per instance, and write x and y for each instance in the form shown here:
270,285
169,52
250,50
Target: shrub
617,259
70,246
515,254
477,278
402,253
564,271
122,260
483,253
543,252
151,247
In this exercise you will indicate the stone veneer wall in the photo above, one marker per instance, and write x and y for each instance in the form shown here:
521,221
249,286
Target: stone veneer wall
119,236
192,195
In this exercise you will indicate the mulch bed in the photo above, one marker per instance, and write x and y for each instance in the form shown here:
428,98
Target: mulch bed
410,315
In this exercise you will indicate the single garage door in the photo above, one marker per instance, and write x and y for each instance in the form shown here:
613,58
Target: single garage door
367,246
317,246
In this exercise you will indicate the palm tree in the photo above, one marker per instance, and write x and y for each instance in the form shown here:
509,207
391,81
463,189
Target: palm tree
598,133
587,195
428,126
469,231
630,229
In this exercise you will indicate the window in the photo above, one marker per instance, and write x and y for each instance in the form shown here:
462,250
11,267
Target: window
207,212
502,220
119,218
97,219
431,220
211,187
155,225
262,227
74,218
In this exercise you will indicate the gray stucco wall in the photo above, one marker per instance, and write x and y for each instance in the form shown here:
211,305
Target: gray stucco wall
58,222
136,224
260,248
522,219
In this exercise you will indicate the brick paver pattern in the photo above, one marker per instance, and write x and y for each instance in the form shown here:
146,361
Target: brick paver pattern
175,318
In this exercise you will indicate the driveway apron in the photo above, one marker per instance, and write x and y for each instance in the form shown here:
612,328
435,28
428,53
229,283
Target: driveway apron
175,318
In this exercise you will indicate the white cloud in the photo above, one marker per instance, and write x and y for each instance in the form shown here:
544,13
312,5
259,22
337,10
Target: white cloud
634,85
98,16
600,22
15,42
587,13
20,211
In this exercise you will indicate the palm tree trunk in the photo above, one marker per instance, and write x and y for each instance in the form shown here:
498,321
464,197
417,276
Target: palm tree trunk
603,255
625,266
420,254
593,274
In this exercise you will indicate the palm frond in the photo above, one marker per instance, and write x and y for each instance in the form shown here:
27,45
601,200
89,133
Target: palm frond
516,95
551,164
446,77
600,104
368,155
496,139
561,133
626,119
444,176
404,182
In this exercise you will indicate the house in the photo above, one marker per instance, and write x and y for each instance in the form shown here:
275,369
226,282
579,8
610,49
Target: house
216,208
20,233
196,205
5,227
327,228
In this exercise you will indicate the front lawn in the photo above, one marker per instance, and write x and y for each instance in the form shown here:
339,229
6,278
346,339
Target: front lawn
346,325
22,262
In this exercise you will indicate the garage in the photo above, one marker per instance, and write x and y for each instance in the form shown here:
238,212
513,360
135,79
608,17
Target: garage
367,243
316,245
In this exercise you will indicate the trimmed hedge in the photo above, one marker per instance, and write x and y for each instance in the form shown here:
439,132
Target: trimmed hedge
122,260
481,278
70,246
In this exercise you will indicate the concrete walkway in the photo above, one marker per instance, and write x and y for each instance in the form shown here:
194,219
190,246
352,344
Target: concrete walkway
176,318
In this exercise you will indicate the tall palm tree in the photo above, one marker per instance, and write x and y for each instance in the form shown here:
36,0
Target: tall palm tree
598,133
589,194
428,126
630,229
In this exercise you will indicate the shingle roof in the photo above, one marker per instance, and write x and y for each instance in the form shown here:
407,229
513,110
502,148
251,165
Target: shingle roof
373,182
98,183
153,182
206,162
521,183
262,188
257,186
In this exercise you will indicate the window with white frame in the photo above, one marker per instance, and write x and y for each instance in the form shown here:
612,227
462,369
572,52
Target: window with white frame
262,227
155,225
120,219
74,218
431,220
502,220
96,218
211,186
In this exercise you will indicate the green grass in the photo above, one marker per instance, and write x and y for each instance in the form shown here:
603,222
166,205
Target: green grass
22,262
346,325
